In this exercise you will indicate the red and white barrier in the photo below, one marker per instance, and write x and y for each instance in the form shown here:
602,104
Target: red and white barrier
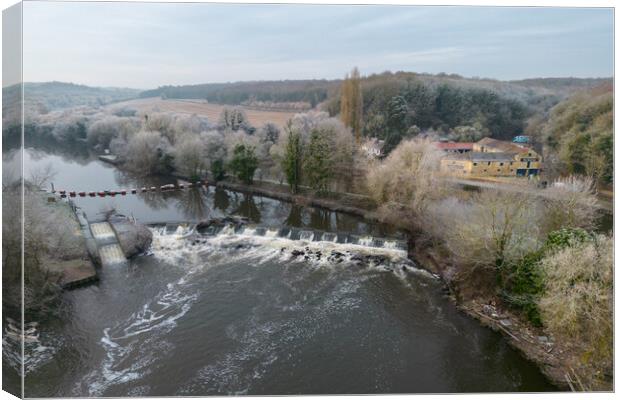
123,192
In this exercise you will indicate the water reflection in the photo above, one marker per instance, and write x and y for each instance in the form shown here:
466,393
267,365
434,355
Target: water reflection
71,151
295,216
155,200
247,208
221,200
192,203
320,219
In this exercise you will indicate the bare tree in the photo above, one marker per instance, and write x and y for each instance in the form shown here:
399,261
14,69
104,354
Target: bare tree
570,202
40,176
490,231
409,176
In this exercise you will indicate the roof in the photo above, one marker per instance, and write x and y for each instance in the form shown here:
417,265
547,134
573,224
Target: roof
500,145
373,143
454,145
476,156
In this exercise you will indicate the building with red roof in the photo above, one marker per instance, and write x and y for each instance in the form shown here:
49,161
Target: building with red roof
455,147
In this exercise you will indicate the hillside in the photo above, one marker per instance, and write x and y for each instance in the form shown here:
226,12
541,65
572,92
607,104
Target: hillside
58,95
286,91
561,86
580,130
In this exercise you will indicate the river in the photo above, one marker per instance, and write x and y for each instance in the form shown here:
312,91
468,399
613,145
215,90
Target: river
239,313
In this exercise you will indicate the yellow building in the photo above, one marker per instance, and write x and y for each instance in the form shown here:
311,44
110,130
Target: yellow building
491,157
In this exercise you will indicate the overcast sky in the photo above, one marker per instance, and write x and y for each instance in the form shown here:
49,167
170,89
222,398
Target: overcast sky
145,45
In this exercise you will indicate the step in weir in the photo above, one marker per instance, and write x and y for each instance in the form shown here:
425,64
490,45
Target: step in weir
103,232
111,254
108,247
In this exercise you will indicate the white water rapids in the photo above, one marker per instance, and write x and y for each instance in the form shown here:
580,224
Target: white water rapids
132,346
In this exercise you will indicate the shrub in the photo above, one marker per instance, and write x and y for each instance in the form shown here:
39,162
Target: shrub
570,202
577,304
522,285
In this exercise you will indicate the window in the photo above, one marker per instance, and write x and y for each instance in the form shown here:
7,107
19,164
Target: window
523,160
475,164
498,170
511,163
529,154
489,163
500,164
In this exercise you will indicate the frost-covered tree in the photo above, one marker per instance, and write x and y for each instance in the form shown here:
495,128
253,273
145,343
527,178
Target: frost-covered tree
103,131
189,156
149,153
233,118
269,133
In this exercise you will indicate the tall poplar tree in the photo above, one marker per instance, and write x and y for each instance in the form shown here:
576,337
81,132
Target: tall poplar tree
351,105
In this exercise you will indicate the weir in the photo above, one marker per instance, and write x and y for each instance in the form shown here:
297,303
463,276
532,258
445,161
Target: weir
108,247
285,232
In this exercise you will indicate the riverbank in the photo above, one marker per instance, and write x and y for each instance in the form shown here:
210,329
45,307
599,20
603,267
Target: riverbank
357,205
75,268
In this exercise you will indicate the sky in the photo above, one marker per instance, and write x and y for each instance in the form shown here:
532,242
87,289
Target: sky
146,45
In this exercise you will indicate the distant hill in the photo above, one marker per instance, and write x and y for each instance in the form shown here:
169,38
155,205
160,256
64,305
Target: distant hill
59,95
565,86
50,96
529,91
286,91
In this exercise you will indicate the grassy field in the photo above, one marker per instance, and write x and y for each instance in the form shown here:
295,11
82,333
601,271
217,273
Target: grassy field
210,110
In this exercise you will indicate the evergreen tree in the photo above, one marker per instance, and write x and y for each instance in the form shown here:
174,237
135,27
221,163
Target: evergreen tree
292,161
244,163
318,168
397,114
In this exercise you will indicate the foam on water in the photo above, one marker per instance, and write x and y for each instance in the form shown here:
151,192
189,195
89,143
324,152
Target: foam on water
271,233
133,345
141,337
38,350
260,342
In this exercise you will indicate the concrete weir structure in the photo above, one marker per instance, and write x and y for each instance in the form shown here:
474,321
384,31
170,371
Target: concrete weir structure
108,248
79,271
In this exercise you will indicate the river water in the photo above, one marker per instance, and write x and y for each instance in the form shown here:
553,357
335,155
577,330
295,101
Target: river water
237,312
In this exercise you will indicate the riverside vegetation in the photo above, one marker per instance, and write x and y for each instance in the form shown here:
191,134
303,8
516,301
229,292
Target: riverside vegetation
537,252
